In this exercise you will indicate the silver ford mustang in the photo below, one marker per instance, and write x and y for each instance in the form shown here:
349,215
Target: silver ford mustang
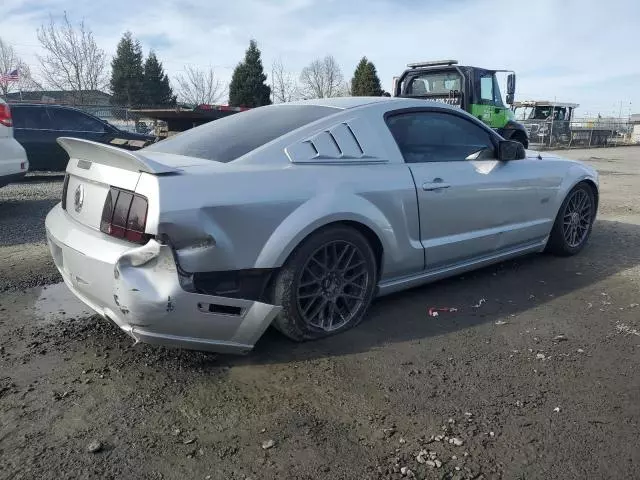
299,214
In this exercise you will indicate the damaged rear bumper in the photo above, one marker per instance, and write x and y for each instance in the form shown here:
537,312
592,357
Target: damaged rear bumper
139,289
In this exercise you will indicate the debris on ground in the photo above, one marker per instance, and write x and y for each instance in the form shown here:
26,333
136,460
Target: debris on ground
94,447
480,303
501,322
541,356
406,472
560,338
433,311
626,329
267,444
556,410
456,441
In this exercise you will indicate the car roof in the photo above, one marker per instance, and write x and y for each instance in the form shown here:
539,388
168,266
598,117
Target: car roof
344,103
48,105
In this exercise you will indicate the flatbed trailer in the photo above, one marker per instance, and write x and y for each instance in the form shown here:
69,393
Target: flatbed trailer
180,118
552,124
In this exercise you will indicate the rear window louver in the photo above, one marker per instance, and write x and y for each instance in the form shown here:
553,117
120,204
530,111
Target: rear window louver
336,144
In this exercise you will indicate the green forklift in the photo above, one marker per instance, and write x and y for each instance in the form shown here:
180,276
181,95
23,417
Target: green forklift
473,89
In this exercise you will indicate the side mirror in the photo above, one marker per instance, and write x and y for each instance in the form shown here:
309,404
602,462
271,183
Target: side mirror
511,150
511,84
509,98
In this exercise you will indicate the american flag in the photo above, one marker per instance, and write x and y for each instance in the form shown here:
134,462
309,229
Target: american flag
12,76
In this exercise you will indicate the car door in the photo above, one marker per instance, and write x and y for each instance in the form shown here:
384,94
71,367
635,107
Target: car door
471,205
32,129
69,122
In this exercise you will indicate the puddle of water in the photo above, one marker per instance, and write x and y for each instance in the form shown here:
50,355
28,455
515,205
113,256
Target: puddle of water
56,302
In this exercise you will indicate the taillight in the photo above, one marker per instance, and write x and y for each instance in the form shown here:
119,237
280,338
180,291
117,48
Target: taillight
5,115
124,215
65,187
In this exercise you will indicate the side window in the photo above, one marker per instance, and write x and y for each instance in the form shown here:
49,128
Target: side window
63,119
486,88
32,118
439,137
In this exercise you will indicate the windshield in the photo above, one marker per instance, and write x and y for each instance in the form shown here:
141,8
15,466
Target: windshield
523,113
541,112
232,137
436,83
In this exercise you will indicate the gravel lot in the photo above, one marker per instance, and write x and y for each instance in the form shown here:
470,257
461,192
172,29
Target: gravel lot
539,381
24,255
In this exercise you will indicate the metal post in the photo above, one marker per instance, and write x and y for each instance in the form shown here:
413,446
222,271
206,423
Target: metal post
553,111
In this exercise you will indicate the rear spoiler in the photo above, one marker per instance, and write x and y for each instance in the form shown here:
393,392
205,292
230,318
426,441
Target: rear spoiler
113,156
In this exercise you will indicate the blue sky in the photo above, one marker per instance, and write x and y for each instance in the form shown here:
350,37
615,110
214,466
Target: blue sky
585,51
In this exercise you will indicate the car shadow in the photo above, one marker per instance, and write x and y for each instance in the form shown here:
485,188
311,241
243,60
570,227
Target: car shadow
508,288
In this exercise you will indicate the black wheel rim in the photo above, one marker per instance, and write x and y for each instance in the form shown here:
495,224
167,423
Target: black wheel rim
577,218
333,285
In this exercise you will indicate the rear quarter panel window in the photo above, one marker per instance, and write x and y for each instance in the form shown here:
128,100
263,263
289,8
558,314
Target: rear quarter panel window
32,118
63,119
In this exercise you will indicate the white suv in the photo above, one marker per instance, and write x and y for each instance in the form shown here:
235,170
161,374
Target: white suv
13,159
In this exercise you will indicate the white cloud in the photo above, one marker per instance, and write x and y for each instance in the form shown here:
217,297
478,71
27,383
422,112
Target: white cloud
582,51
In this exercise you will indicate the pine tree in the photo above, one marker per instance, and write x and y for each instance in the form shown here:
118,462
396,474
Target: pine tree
127,72
248,87
155,82
365,80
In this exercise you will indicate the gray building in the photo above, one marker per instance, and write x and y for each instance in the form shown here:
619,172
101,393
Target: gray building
61,97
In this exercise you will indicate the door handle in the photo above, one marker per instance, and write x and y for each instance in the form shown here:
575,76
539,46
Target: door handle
437,184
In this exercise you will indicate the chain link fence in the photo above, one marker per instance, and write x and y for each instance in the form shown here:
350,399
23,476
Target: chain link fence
121,117
580,133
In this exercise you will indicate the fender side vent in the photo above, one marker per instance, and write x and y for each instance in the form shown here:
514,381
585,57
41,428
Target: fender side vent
220,309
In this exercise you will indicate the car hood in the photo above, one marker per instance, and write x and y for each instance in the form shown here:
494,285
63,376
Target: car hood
535,154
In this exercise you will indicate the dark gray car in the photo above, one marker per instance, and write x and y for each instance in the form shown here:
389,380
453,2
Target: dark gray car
38,126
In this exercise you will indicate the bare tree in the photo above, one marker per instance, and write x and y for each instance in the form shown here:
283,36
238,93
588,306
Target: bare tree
284,86
10,61
199,86
323,78
73,61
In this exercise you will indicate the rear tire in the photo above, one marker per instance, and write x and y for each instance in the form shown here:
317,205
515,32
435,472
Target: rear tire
573,224
326,285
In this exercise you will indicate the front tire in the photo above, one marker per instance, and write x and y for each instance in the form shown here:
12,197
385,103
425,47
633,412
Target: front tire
574,222
326,285
520,136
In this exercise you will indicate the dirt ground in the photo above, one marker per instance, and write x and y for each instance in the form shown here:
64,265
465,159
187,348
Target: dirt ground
539,381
